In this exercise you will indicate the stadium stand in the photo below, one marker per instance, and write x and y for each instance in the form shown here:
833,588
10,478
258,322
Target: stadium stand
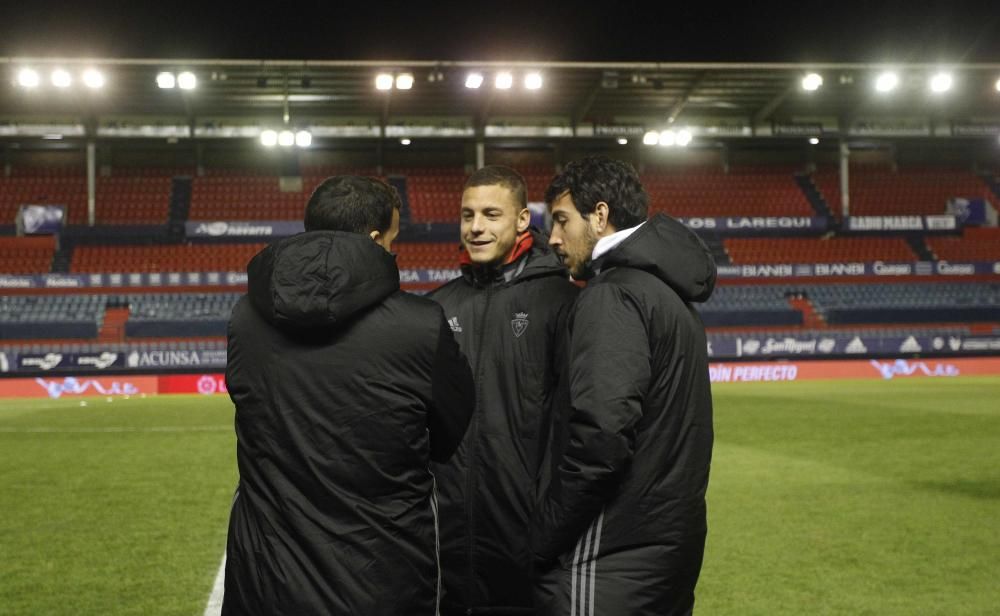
880,191
244,197
975,244
164,258
906,302
136,196
246,194
26,255
179,314
813,250
749,305
131,196
429,255
134,204
65,186
711,192
434,194
51,316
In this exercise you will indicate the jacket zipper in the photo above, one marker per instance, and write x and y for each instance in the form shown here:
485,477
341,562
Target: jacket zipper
474,454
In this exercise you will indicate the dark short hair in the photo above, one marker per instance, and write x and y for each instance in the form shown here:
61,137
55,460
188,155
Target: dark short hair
351,203
598,178
497,175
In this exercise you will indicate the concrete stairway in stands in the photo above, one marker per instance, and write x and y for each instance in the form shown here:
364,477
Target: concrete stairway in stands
810,318
113,327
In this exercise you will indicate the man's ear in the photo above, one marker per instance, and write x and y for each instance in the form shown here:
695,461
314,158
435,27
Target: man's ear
375,235
600,217
523,220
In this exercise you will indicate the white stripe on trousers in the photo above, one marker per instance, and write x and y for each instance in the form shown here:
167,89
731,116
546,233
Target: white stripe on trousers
437,545
581,596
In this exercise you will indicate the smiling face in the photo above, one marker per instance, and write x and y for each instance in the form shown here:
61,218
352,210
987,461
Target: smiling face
492,219
573,235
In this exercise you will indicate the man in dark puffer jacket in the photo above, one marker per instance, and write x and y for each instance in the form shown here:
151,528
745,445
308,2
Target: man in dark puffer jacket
508,313
622,529
345,389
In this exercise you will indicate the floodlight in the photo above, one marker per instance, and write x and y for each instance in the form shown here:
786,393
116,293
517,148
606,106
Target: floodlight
303,139
166,81
405,141
404,81
269,138
887,82
28,78
286,138
941,83
383,81
474,80
812,82
651,138
187,81
814,141
504,81
668,138
997,85
622,141
93,79
61,78
683,137
533,81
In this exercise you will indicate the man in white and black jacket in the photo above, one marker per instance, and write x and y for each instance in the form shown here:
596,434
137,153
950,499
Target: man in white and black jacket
622,528
508,312
346,388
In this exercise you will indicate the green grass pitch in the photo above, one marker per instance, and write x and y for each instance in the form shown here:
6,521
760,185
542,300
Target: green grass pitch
826,498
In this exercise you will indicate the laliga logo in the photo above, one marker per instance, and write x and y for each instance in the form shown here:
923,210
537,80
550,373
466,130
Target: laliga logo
207,385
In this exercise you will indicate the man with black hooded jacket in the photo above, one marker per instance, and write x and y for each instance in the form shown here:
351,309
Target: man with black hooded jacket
622,528
507,311
345,389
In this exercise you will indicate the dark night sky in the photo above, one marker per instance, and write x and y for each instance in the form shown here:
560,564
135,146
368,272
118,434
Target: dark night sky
808,30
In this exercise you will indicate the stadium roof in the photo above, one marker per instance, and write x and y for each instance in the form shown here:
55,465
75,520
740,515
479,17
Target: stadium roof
748,99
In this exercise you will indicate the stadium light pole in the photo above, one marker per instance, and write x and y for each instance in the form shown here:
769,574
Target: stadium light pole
845,184
91,183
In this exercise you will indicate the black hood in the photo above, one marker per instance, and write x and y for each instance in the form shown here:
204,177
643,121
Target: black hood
670,251
320,279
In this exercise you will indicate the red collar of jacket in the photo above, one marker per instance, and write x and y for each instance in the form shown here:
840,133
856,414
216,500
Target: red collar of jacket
522,245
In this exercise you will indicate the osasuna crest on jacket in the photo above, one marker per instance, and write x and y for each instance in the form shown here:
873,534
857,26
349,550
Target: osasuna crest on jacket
621,531
345,389
510,322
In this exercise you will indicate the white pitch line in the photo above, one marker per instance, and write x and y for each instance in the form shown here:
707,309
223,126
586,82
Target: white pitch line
214,606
